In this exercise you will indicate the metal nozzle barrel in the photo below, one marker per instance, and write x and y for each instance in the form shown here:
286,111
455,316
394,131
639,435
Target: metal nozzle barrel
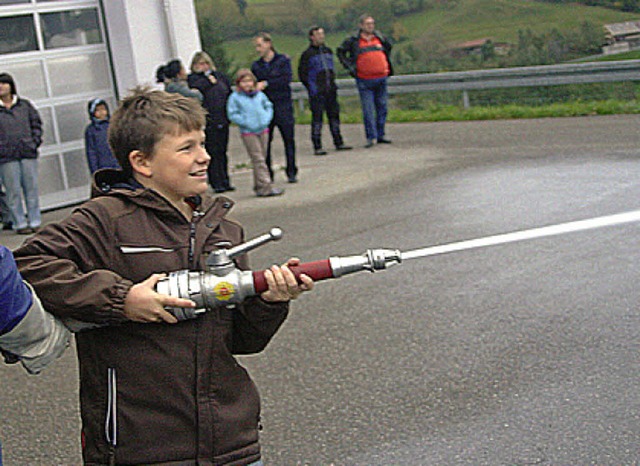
334,267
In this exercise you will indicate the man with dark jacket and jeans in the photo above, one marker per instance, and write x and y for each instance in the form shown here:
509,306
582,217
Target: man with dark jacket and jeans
316,72
155,390
274,74
20,138
366,56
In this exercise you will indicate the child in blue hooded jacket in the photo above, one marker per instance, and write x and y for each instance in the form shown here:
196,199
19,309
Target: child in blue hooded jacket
252,111
95,137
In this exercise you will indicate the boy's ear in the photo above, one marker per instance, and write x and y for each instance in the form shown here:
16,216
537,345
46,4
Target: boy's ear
140,163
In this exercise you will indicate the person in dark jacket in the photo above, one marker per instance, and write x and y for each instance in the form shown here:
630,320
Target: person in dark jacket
316,72
95,137
215,89
366,55
274,74
181,395
20,137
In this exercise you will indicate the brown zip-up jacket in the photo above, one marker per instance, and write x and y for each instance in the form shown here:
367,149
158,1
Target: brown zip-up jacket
151,393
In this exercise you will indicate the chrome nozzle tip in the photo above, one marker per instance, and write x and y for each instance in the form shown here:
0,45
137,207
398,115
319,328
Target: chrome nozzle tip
275,233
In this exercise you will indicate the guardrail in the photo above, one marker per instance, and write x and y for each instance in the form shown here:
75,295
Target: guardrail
548,75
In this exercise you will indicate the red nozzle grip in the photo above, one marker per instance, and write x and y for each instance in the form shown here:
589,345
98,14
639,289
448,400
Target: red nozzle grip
318,270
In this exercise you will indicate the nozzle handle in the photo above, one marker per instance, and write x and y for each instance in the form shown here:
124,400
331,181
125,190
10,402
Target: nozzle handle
274,234
317,270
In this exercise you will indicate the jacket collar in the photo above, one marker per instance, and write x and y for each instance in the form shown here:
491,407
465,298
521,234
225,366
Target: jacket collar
14,101
112,182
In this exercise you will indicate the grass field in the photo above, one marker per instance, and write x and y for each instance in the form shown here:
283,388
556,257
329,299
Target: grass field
499,20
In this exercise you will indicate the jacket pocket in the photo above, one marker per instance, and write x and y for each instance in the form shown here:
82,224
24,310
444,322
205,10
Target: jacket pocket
28,147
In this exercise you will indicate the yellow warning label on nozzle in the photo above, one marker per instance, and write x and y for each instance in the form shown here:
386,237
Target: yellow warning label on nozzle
224,291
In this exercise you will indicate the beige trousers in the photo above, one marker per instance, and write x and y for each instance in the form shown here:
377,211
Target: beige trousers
256,145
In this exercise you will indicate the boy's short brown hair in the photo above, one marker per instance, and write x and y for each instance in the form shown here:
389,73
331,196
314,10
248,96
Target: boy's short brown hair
145,116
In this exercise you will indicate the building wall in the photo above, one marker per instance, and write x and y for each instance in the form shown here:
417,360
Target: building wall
64,53
146,33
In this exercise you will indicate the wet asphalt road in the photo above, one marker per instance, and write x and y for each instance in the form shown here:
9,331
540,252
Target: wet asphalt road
525,353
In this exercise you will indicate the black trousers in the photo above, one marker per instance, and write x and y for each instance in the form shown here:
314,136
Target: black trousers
284,121
321,103
216,142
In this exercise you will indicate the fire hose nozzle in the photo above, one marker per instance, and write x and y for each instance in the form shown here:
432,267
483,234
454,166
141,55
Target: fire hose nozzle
372,260
224,285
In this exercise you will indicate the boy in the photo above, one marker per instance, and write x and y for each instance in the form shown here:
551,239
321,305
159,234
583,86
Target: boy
252,111
154,390
95,137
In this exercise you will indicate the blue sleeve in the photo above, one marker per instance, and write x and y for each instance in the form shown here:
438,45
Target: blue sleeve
234,112
36,125
268,109
303,68
90,148
15,297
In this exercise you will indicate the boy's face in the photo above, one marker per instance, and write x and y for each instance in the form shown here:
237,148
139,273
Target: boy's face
178,167
101,112
247,84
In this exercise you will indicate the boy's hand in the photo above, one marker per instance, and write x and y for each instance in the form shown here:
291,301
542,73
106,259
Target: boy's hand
144,304
282,283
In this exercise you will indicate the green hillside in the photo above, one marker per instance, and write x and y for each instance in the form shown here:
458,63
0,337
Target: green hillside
499,20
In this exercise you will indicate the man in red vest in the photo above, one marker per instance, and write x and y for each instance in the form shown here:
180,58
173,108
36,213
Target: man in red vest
366,56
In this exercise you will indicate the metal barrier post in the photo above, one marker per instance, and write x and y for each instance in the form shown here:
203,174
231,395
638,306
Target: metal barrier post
465,99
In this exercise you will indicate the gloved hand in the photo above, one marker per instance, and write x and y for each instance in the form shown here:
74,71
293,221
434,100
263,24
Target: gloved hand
15,296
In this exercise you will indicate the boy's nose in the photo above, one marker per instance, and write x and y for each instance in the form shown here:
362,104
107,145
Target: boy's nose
204,156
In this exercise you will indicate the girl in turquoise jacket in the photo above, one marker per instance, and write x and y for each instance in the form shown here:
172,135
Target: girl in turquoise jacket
252,111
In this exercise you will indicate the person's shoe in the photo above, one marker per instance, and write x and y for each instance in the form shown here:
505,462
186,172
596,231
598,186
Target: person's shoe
369,144
273,192
319,152
292,179
7,226
384,141
219,190
343,147
25,231
230,188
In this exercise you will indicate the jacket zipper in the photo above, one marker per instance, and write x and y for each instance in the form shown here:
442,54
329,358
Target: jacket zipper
111,423
192,237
